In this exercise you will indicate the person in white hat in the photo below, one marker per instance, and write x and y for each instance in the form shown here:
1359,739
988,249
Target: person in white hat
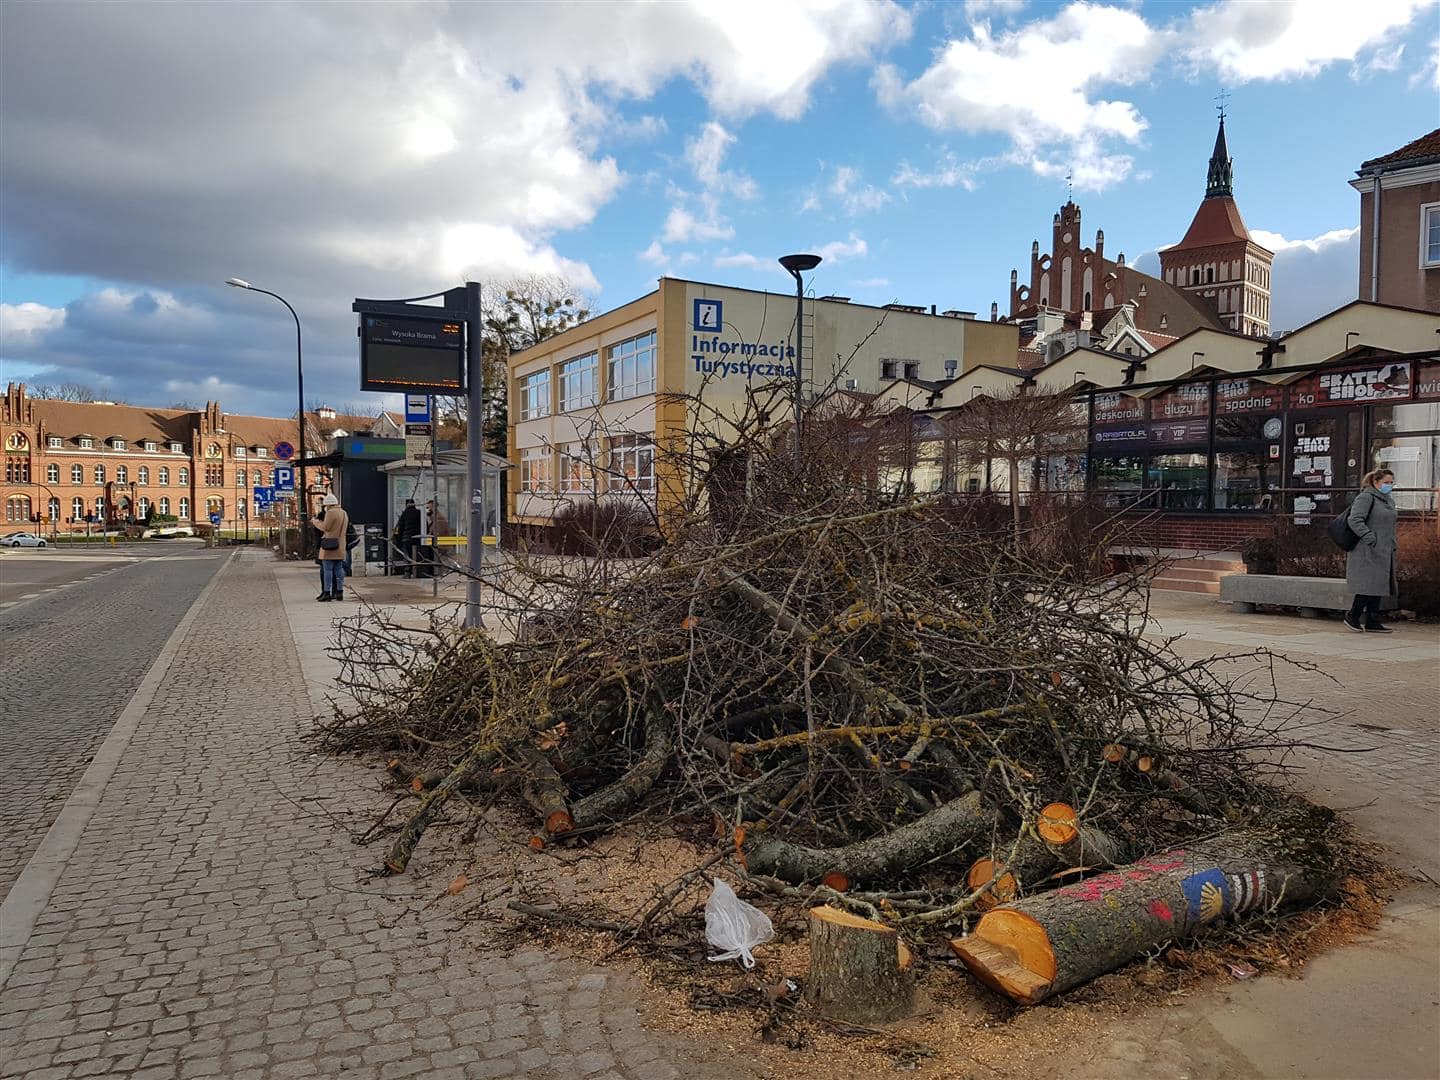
333,523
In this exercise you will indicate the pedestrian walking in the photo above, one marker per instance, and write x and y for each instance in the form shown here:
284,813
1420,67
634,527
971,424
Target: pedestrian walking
1370,566
407,535
333,523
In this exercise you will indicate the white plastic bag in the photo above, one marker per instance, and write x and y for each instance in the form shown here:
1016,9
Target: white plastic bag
733,926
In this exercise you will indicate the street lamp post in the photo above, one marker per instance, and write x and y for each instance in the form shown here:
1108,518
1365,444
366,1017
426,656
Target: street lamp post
301,510
797,265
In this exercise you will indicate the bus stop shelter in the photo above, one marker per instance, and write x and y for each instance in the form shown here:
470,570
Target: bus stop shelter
446,482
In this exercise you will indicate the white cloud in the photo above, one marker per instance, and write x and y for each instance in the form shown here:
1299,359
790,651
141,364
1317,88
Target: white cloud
871,283
745,261
843,250
1287,39
23,326
1312,275
387,148
848,193
655,254
1428,72
979,9
1035,84
683,227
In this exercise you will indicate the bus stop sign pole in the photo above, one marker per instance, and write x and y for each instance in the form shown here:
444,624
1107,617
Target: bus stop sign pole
475,451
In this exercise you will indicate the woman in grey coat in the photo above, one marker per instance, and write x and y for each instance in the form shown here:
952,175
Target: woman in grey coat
1370,567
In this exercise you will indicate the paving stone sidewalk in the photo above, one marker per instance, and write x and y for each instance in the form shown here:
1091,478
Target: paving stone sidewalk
212,921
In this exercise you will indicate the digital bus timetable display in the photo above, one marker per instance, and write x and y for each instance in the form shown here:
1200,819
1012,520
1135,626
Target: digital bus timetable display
407,354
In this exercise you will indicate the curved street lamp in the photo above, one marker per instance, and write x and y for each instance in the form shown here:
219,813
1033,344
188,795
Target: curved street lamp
302,511
797,265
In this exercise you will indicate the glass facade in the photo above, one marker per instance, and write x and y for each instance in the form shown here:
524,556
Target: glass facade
1237,444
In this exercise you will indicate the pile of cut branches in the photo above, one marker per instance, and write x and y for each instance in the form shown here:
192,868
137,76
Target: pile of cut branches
885,698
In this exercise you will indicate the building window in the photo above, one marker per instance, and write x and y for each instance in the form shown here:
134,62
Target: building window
53,509
535,469
215,474
53,442
149,446
100,508
239,451
175,448
77,474
577,468
260,451
77,509
17,508
164,475
165,505
17,470
99,474
632,367
241,478
579,387
1430,234
889,369
632,463
122,474
87,443
535,395
912,369
142,474
118,444
144,507
215,505
184,475
184,509
52,474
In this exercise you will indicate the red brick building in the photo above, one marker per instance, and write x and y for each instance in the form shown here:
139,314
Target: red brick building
1217,261
1400,231
69,462
1216,277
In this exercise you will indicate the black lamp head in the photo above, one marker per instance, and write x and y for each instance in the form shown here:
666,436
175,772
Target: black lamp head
798,264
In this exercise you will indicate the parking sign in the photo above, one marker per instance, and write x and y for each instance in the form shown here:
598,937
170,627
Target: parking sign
283,478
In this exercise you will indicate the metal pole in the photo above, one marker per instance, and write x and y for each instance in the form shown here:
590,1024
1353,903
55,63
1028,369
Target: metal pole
474,451
435,499
799,368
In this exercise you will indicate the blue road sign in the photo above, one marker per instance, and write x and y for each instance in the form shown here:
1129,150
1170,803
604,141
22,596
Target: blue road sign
214,519
417,408
284,451
264,495
283,478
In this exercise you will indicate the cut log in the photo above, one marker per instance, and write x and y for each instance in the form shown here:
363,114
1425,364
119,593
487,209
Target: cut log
945,829
1045,944
981,872
545,791
860,970
1075,844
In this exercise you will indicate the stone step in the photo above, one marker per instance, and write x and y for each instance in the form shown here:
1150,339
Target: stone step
1191,573
1228,566
1172,584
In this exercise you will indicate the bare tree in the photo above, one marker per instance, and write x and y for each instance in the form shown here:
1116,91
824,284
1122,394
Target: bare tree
66,391
1017,427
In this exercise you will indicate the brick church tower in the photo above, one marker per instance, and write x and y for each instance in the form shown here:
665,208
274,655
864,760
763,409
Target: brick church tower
1217,261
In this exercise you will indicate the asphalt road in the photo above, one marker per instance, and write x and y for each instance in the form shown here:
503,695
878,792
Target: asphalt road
70,658
26,573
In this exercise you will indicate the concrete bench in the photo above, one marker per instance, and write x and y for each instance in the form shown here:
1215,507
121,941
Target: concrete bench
1312,596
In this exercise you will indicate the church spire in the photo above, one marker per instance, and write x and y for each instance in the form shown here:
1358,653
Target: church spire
1220,178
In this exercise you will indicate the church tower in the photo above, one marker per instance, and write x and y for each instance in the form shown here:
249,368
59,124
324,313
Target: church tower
1217,261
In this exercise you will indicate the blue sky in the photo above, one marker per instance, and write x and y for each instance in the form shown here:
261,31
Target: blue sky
333,151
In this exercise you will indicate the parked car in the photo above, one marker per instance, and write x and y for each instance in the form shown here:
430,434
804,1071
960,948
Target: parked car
23,539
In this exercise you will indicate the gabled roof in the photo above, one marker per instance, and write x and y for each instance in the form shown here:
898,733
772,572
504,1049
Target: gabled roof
133,423
1421,151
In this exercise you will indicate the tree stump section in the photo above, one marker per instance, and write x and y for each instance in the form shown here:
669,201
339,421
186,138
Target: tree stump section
860,970
1045,944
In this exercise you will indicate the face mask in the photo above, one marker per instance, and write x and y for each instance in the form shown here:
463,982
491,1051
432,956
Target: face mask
1385,489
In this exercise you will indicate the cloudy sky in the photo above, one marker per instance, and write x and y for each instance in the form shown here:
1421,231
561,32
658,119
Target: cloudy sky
328,151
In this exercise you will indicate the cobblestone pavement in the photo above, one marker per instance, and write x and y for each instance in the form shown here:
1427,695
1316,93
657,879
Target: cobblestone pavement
69,663
212,921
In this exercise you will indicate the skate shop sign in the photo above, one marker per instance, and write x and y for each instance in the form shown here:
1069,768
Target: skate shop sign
1383,382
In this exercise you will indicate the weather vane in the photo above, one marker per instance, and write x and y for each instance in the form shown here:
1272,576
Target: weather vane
1070,184
1222,97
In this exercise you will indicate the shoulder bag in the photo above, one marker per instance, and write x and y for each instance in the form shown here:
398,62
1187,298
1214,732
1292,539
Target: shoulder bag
1346,538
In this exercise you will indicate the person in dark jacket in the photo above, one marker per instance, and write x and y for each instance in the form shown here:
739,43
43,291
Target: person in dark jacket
407,534
1370,566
